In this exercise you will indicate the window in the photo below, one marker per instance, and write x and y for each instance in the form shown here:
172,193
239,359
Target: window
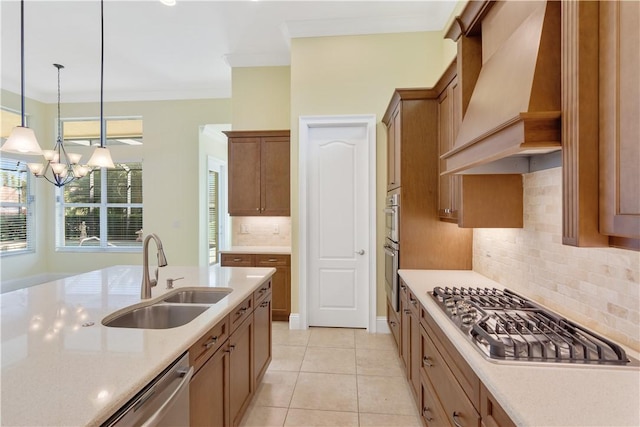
103,210
16,207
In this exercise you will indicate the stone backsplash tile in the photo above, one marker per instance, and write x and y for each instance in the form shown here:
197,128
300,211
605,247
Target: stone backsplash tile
598,287
261,231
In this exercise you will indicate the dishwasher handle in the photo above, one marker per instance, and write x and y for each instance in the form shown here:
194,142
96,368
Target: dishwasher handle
158,415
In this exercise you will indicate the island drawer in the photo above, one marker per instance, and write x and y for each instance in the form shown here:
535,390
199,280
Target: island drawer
236,260
208,344
266,260
261,293
241,312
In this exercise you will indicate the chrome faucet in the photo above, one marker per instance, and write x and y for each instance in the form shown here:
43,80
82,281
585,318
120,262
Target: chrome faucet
147,282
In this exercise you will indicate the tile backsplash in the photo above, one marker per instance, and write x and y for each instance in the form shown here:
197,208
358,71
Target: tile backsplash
597,287
261,231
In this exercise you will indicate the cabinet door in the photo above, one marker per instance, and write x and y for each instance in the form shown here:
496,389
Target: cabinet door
619,124
415,360
241,370
449,119
275,182
405,327
262,337
209,392
281,283
394,155
244,176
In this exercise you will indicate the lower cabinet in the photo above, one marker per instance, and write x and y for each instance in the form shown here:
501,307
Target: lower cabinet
445,387
230,361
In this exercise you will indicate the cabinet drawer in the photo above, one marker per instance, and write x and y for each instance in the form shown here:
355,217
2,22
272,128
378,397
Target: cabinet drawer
413,304
459,409
431,410
394,323
266,260
261,293
492,413
241,312
466,377
237,260
206,346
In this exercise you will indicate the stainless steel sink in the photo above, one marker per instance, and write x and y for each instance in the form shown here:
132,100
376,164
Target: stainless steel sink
198,295
156,316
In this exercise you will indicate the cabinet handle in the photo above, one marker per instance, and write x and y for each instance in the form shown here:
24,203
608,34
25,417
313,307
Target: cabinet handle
263,290
425,414
392,323
426,361
454,416
211,342
273,260
414,301
258,209
237,259
407,311
241,311
231,348
447,211
403,287
264,304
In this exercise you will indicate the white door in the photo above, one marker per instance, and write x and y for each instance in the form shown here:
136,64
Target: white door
339,224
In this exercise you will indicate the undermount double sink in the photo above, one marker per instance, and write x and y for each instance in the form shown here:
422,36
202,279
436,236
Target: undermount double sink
175,309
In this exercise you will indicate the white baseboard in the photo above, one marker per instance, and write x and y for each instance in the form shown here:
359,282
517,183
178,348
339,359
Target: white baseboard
381,323
294,321
382,327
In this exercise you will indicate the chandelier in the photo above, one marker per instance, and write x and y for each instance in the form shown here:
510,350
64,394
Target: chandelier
61,167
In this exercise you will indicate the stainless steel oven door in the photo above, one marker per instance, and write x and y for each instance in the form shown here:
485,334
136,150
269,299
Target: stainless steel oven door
392,216
391,264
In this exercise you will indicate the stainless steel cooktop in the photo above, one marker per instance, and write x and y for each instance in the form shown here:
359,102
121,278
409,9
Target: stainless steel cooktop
506,326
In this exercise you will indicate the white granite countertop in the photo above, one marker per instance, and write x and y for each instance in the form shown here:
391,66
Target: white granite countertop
537,394
280,250
57,372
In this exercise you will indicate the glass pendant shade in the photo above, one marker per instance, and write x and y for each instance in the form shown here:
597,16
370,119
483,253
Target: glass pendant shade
36,168
22,140
101,158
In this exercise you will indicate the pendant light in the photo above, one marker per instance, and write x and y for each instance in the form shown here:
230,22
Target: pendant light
61,167
101,156
22,140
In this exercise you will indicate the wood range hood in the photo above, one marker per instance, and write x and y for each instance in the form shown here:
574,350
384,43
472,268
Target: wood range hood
513,112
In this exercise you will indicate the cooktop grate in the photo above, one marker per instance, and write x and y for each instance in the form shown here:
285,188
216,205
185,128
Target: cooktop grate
507,326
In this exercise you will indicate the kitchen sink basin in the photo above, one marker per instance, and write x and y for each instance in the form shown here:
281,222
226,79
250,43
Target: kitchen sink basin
198,296
156,316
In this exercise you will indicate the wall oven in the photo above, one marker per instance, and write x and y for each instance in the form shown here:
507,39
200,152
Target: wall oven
391,265
392,215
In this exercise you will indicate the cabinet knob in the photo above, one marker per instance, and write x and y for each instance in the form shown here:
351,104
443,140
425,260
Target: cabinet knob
392,323
258,209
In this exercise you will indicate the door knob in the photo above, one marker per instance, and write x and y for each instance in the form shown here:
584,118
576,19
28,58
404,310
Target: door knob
360,252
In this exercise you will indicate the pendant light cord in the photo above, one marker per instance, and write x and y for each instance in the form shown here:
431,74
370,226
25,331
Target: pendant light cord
58,66
102,125
22,59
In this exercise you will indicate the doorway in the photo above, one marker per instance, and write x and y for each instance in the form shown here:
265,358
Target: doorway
337,167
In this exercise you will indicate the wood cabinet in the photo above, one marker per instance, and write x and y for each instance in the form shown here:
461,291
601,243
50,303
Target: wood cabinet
410,341
242,384
280,281
230,361
412,135
600,131
491,412
262,333
472,201
259,173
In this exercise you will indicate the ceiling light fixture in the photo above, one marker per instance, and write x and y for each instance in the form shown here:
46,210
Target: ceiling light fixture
101,156
22,139
61,167
168,2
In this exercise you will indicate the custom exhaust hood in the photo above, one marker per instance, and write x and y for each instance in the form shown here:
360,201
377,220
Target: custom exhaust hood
514,110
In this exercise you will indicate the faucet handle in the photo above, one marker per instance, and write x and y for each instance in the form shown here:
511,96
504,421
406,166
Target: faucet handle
170,282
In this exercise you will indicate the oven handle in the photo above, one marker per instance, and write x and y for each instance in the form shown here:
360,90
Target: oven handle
389,250
389,210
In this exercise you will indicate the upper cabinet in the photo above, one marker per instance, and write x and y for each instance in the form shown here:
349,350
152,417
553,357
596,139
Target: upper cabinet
259,173
601,130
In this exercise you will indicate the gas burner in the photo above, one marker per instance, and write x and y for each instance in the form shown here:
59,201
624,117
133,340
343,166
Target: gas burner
507,326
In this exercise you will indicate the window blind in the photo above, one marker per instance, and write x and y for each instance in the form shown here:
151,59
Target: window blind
16,207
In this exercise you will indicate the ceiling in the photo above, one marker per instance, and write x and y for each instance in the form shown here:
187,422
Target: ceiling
186,51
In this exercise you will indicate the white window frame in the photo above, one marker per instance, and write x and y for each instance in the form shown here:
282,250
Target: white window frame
30,205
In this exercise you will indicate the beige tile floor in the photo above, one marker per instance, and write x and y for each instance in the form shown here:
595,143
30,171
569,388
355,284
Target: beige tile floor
332,377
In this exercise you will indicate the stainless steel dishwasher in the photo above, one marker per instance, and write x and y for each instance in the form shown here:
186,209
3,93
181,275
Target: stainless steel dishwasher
163,402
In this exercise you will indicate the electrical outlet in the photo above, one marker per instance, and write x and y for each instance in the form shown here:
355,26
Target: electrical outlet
276,229
244,229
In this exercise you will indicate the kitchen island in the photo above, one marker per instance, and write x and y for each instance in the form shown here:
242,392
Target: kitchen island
542,393
61,366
